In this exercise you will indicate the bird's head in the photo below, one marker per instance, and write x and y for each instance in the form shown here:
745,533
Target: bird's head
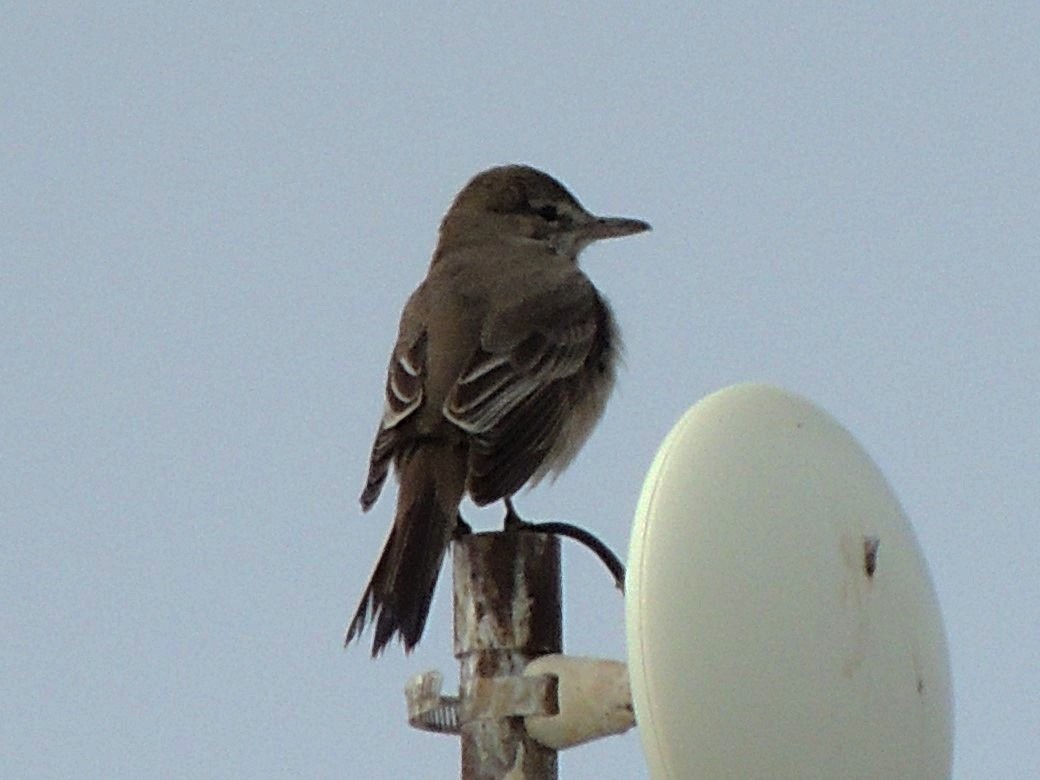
520,204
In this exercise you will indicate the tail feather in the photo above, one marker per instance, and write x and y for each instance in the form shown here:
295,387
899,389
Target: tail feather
400,590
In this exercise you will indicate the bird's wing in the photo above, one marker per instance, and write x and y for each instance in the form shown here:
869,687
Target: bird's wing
404,394
514,395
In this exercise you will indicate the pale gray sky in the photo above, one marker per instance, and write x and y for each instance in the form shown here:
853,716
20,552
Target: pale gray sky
211,215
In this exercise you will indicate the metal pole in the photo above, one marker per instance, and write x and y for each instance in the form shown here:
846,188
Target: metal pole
507,612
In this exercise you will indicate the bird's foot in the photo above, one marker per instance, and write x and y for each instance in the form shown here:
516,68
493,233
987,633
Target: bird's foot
462,528
513,521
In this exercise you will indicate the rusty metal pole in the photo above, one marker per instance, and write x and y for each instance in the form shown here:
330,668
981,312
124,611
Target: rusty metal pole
507,612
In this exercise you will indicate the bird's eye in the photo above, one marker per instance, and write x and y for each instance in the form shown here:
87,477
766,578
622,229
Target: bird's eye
548,213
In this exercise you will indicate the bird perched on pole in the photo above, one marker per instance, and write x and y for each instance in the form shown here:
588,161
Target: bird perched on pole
504,361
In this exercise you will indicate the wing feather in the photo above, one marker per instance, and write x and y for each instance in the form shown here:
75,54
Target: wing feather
405,392
514,395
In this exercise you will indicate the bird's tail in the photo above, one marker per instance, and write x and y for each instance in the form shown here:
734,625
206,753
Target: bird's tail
398,595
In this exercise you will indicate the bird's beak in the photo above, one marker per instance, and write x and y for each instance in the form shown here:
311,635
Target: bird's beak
611,227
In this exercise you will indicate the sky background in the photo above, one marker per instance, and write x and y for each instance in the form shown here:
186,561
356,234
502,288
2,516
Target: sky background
210,216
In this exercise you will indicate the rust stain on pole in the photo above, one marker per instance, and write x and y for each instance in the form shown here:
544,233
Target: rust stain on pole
507,612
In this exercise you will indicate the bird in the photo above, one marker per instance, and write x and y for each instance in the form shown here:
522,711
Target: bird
505,357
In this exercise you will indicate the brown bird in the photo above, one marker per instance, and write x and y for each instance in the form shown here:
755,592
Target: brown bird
504,360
